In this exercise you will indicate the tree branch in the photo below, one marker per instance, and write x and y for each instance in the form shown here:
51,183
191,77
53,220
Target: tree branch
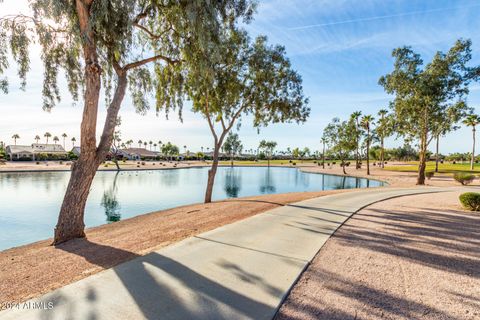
151,59
210,123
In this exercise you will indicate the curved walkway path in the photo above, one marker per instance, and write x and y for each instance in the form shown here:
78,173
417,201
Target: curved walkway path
242,270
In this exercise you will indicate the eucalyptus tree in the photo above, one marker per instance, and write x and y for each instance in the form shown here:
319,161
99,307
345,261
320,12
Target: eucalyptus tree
267,147
357,133
245,79
141,45
15,137
425,93
64,136
46,136
384,129
232,145
472,120
339,135
367,122
170,150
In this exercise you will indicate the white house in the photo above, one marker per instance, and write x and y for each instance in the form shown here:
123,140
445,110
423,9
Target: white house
35,151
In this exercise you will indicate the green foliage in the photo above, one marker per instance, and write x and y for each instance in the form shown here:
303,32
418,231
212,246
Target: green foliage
463,177
429,174
126,34
232,144
249,79
72,156
170,149
267,147
339,135
470,200
428,98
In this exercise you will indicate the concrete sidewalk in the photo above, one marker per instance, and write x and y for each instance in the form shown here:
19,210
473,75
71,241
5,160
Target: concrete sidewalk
239,271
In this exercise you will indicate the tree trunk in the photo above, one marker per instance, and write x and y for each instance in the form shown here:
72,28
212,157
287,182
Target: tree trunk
212,172
368,150
473,150
382,153
343,167
323,156
436,153
423,161
70,223
231,160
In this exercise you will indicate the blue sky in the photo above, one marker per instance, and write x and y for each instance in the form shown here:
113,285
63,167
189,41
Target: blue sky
340,47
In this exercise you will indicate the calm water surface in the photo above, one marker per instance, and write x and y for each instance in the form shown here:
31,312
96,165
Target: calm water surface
30,202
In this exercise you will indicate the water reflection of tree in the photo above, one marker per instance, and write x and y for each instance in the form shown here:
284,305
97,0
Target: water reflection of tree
110,202
268,183
341,184
233,182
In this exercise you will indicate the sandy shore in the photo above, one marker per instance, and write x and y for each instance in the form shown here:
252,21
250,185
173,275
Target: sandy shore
37,268
415,257
28,166
393,178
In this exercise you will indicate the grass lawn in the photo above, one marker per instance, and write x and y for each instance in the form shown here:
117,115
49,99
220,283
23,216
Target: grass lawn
412,166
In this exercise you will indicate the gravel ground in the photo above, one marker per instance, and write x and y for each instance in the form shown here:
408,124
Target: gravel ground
415,257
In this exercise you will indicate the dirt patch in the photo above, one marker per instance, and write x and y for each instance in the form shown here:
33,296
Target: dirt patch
31,270
415,257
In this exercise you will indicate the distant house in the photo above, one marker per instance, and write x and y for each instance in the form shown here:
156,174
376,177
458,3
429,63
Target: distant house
137,153
76,151
36,151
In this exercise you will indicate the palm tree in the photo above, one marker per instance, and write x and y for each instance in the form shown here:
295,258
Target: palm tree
382,113
471,121
64,136
155,147
140,143
73,142
356,117
367,121
150,143
145,144
15,137
55,139
37,138
47,135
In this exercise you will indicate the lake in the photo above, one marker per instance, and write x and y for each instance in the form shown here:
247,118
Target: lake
30,202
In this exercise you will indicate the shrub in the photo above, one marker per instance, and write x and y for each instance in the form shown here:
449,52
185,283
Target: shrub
333,163
470,200
429,174
294,163
143,163
463,177
38,162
